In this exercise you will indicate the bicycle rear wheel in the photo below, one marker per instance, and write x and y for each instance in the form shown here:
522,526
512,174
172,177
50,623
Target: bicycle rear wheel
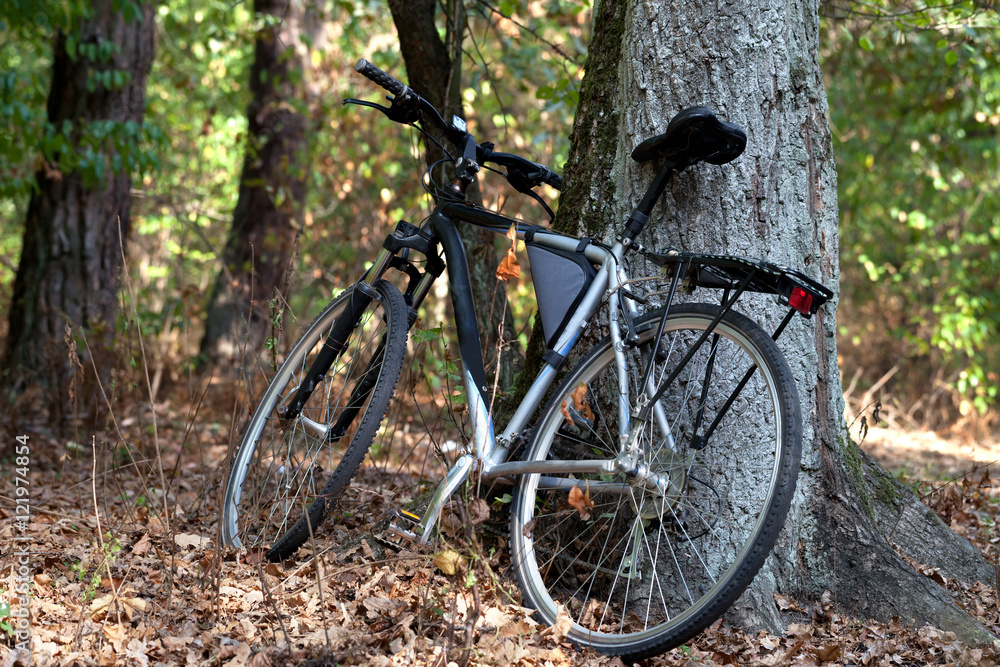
641,568
288,471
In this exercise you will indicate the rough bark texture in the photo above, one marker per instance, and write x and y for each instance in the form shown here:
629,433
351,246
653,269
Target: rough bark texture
266,220
433,69
68,274
755,64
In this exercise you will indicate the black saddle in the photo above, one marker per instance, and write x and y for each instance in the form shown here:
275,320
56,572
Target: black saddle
694,135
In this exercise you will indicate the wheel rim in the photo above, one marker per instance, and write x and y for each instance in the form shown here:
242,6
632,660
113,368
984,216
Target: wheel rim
623,561
274,481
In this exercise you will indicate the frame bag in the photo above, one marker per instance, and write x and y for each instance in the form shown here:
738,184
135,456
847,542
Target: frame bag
560,279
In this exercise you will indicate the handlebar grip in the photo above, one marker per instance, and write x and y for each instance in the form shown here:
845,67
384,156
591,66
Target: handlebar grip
366,69
555,180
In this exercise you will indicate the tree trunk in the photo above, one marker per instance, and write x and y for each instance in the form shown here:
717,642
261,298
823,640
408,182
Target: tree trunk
756,65
248,293
78,217
434,71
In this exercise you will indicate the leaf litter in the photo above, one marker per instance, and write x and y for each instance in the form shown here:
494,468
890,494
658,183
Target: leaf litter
178,598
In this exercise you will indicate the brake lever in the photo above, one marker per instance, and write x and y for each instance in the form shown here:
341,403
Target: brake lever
363,103
404,108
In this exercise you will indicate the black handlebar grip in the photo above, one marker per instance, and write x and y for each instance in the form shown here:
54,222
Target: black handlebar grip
555,180
368,70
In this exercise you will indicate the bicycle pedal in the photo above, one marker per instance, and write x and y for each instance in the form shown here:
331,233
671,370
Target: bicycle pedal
407,535
407,516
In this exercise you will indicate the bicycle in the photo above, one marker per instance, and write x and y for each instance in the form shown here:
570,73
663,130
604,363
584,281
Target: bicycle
655,481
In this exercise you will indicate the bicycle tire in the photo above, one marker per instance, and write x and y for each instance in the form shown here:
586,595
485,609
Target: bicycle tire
286,474
643,573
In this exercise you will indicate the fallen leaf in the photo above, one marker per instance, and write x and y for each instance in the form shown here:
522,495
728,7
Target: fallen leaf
376,606
516,628
100,605
253,597
116,635
494,617
135,653
448,561
827,653
563,623
137,603
580,500
800,631
142,546
249,629
189,540
479,511
784,603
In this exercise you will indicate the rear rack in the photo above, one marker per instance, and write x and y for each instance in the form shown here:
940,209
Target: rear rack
792,287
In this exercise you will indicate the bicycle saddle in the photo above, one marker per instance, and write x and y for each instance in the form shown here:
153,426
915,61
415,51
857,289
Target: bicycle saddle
694,135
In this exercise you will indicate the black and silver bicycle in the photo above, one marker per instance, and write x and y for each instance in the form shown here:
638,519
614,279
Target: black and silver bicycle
653,484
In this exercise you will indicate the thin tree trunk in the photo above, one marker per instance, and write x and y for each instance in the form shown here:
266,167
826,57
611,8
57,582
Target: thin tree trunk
434,70
756,65
78,218
248,296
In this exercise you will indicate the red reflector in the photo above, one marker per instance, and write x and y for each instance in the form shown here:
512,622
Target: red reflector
800,300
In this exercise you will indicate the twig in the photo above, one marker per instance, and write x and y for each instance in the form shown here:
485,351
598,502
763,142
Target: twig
100,534
149,385
277,614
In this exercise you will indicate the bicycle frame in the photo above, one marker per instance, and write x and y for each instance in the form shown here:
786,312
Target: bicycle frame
489,452
488,458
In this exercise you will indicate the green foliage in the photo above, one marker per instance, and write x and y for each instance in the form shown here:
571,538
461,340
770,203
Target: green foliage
5,615
916,118
31,142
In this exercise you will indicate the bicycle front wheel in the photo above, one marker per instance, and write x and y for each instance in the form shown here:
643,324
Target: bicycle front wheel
290,467
644,559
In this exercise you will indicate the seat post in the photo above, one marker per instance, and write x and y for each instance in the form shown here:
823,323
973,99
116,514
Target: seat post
640,216
656,188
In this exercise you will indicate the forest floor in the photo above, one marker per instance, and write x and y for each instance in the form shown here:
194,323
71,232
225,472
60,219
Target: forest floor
125,574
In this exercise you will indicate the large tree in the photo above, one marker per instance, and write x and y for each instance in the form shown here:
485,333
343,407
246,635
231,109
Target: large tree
248,292
756,65
78,217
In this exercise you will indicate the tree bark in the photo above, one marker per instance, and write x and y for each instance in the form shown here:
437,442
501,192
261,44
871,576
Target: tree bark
248,293
756,65
78,218
433,68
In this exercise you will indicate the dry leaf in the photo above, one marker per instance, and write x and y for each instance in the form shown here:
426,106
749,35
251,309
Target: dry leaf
580,500
142,546
580,404
448,561
479,511
137,603
196,541
800,631
509,266
563,623
517,628
512,234
100,605
784,603
827,653
116,635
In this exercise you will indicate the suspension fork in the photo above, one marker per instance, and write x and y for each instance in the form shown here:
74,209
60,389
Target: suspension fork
402,239
360,297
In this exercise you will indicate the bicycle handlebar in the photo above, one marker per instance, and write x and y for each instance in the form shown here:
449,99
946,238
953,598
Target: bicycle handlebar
366,69
523,174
